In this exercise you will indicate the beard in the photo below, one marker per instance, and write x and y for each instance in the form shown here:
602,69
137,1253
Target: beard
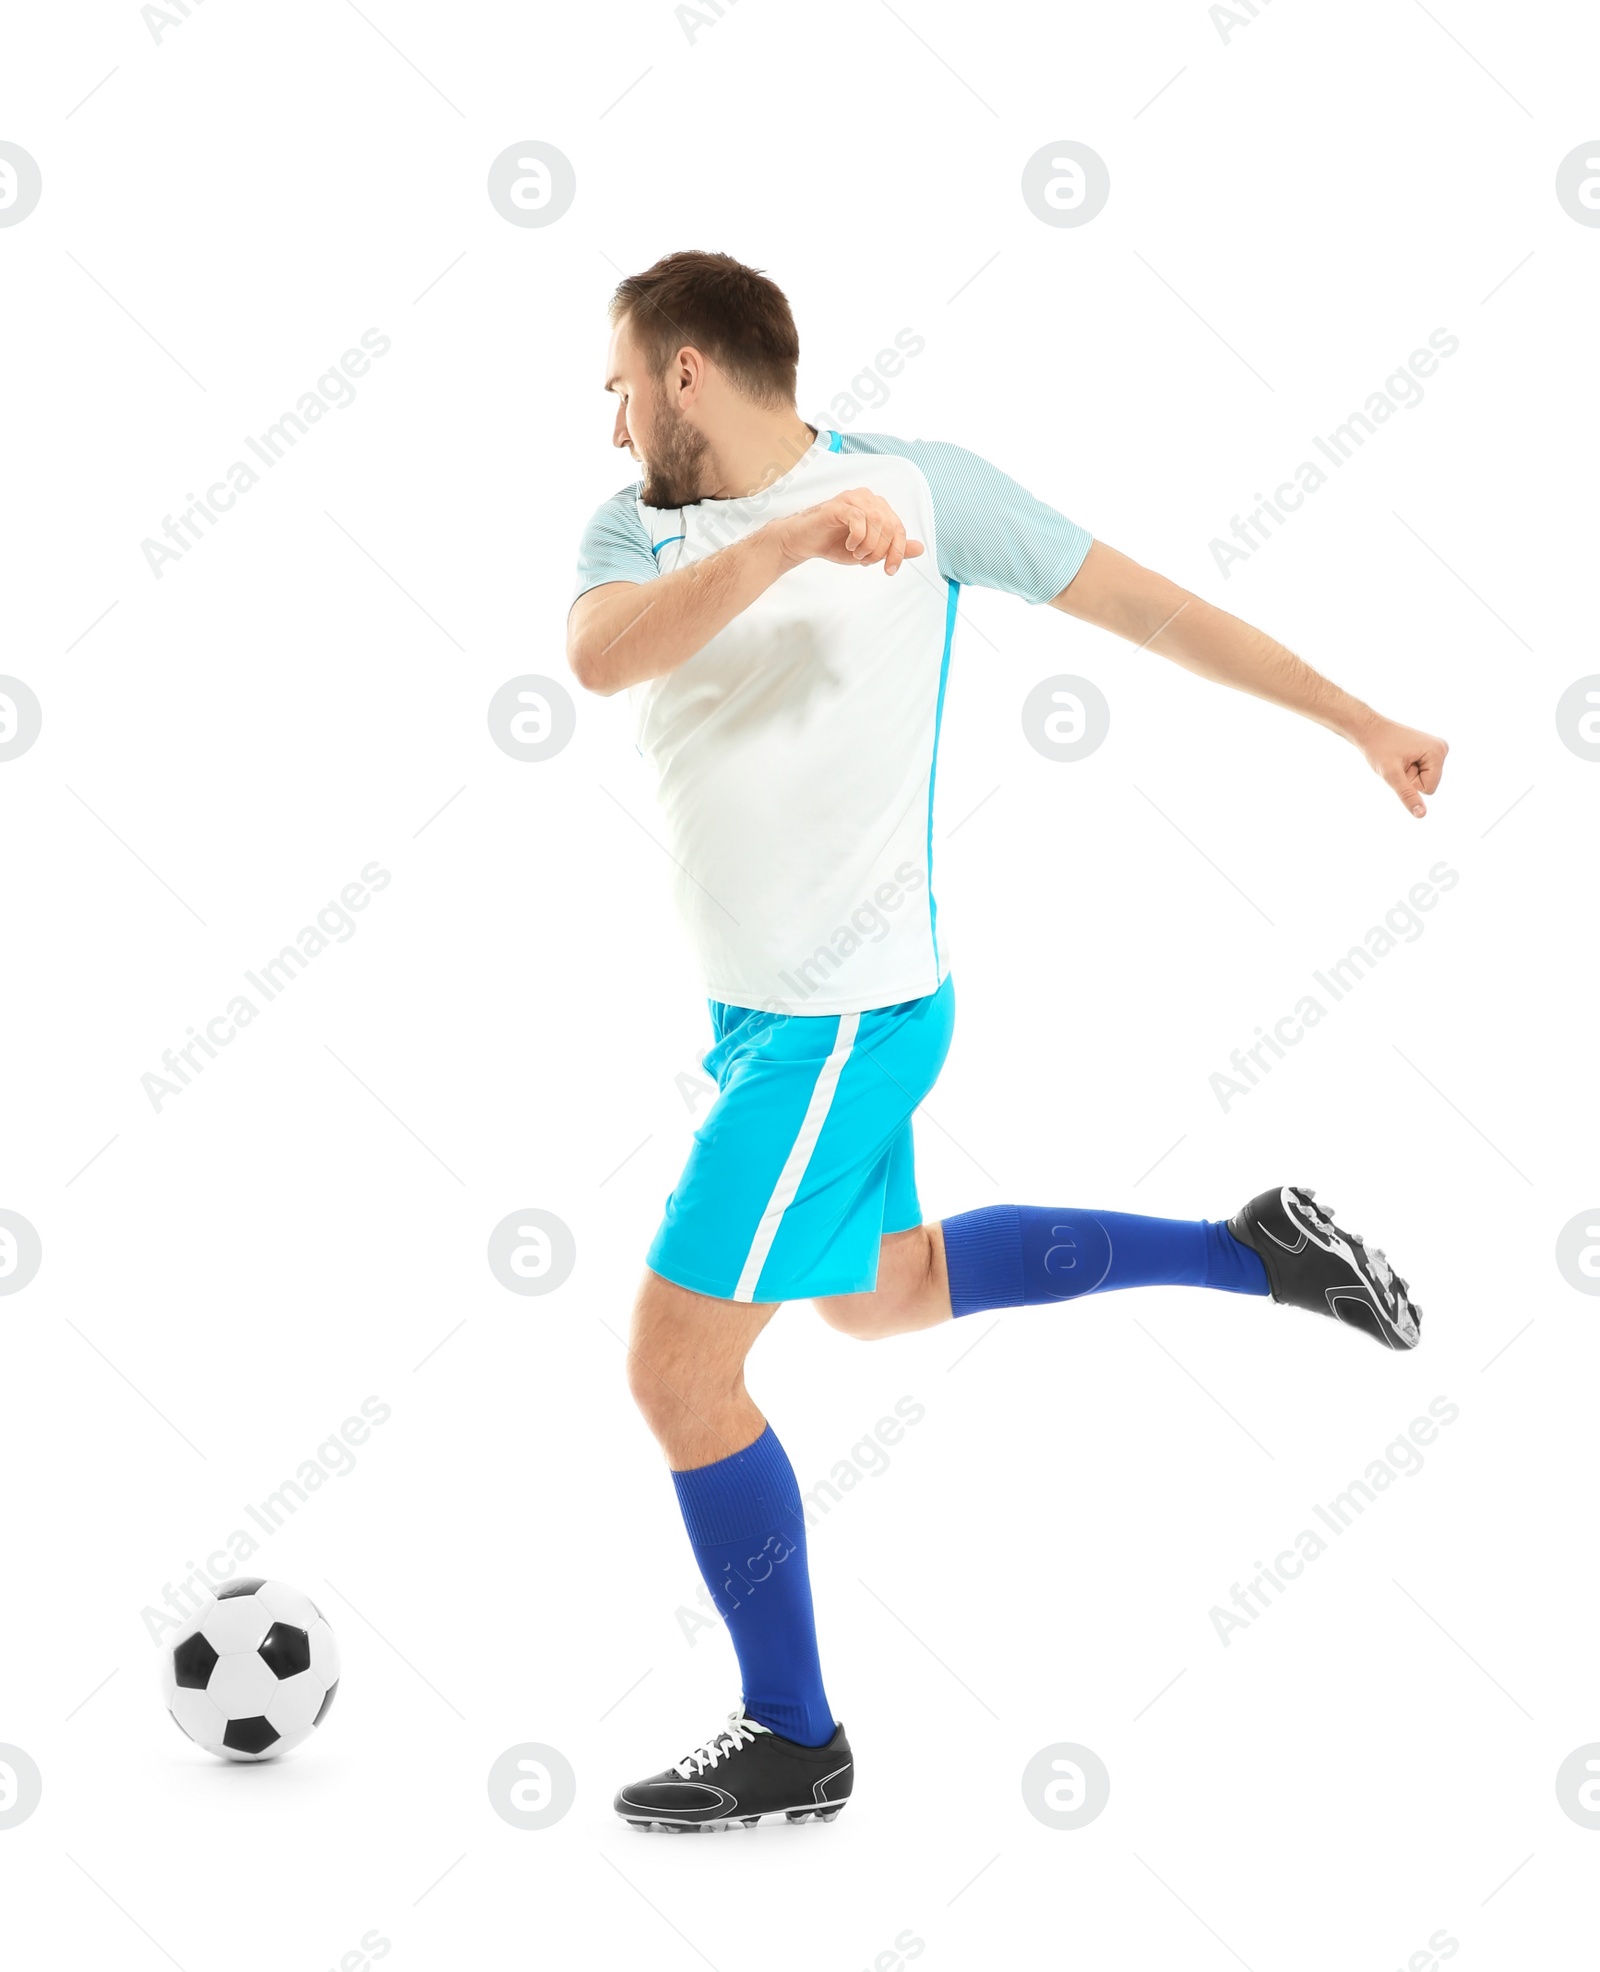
674,460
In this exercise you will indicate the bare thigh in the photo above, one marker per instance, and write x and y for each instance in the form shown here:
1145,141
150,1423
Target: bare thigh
913,1290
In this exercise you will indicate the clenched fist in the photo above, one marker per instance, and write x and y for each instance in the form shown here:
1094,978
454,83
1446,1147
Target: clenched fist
1411,762
859,526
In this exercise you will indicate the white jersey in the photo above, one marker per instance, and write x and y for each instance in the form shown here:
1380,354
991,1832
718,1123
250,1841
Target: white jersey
795,754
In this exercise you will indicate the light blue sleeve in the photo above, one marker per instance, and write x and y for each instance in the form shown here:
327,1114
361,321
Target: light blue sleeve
992,532
615,547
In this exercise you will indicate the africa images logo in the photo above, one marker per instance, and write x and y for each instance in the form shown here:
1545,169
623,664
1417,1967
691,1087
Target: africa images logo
1401,925
334,391
1402,1458
1401,391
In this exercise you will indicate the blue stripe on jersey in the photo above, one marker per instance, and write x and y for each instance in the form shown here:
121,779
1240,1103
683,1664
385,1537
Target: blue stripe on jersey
657,546
933,764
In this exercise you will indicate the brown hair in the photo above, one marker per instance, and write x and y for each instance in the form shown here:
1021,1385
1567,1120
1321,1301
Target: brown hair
714,303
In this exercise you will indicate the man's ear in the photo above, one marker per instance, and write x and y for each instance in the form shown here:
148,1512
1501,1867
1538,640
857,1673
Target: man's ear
689,371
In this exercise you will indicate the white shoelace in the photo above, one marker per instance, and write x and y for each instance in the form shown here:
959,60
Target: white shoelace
739,1731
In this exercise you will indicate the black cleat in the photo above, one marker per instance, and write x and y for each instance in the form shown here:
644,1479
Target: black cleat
1312,1263
741,1773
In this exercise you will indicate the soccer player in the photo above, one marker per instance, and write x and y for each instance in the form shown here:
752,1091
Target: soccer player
781,601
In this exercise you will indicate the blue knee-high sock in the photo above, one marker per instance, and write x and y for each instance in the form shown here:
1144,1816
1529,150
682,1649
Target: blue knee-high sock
1015,1256
749,1535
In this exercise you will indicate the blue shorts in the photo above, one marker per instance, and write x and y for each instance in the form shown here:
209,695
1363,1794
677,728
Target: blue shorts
804,1161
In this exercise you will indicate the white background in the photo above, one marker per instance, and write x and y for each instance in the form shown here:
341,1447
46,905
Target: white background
305,1226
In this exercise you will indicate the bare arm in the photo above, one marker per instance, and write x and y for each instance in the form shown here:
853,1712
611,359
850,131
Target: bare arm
1133,602
621,633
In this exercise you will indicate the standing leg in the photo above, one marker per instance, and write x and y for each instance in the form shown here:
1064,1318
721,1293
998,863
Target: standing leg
738,1494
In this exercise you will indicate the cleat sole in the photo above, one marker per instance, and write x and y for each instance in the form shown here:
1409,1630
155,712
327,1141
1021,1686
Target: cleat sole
791,1815
1399,1316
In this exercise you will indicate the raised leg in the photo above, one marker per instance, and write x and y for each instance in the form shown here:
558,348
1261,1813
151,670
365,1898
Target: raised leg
1011,1256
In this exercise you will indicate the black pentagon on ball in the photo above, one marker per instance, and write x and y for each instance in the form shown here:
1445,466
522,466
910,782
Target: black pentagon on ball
249,1735
285,1650
246,1585
193,1662
327,1700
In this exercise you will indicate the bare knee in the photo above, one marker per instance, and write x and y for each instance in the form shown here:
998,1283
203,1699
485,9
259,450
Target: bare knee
649,1385
667,1374
686,1369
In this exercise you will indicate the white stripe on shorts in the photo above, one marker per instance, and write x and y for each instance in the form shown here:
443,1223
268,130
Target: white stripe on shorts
794,1168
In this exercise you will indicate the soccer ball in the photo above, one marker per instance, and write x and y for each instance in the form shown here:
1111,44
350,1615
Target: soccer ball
253,1673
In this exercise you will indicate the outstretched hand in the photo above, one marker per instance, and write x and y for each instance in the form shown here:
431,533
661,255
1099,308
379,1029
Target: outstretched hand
1411,762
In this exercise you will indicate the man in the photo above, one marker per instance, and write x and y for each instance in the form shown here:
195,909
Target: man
781,601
